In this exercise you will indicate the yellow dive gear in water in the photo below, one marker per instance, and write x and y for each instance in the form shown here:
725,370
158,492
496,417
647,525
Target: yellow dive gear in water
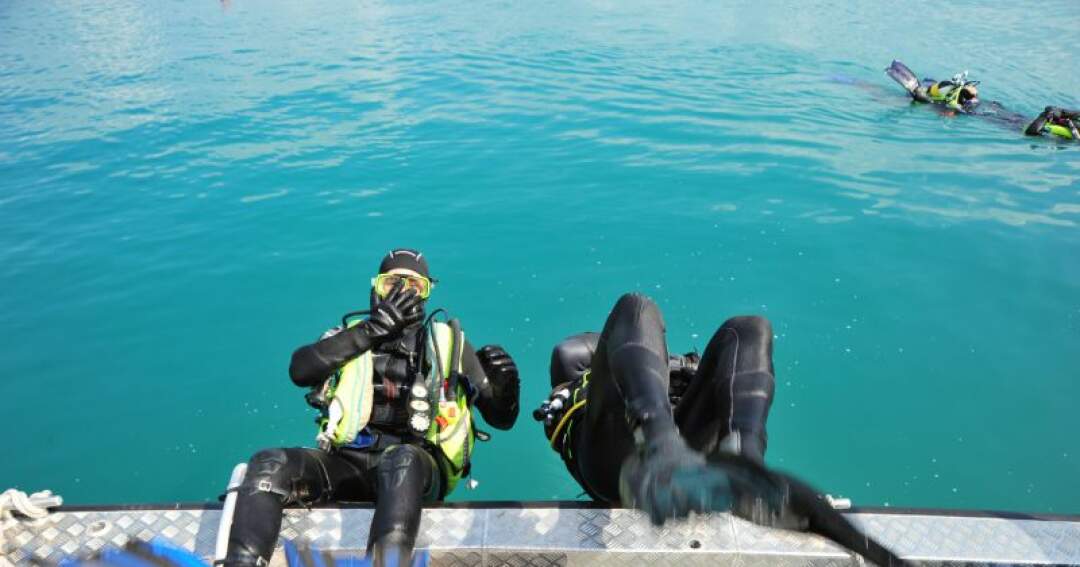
452,430
1059,130
946,92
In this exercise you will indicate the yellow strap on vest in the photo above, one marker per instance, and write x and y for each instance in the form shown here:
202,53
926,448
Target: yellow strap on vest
452,429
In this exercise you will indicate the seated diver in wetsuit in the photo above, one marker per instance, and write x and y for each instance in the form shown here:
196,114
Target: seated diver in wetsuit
619,432
961,95
409,444
673,435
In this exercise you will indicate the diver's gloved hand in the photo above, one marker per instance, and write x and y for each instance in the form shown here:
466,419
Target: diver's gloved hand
391,316
667,479
497,397
499,367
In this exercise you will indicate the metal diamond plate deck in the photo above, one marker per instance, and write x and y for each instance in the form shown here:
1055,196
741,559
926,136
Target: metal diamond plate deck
570,537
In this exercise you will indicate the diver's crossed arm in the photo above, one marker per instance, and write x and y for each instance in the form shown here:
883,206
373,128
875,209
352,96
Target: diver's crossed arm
312,364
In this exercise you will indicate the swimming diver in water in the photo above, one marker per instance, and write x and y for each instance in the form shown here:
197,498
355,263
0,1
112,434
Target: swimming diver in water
1056,122
672,435
959,94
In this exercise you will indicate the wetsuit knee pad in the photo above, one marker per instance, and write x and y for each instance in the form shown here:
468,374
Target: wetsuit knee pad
406,465
271,471
572,357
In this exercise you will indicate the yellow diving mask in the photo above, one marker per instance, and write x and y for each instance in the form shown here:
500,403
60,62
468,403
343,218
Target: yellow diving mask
420,285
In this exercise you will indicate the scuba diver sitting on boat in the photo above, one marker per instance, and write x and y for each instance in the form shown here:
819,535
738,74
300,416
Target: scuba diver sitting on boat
396,392
961,95
672,435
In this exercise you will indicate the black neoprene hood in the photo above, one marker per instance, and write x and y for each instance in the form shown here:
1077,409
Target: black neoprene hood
405,258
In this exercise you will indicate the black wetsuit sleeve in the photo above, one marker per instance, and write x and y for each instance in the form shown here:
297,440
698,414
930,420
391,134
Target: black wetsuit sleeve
1036,126
314,363
496,397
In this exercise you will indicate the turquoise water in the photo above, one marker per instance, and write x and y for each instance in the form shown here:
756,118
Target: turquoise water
190,190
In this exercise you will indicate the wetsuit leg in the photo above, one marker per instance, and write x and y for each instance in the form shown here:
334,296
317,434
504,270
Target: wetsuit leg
628,384
406,477
277,477
732,391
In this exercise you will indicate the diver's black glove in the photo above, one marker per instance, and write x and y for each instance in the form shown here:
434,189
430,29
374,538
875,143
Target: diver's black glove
397,311
501,371
497,397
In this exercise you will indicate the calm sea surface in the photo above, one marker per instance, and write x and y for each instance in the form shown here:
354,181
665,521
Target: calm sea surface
191,190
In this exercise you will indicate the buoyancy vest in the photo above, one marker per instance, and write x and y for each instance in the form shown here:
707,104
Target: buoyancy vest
1058,130
451,432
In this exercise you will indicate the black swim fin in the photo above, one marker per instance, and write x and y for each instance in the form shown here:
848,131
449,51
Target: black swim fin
901,74
778,500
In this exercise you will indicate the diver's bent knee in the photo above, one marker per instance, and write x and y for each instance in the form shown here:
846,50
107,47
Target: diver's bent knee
404,457
267,461
750,327
634,302
269,470
403,464
635,310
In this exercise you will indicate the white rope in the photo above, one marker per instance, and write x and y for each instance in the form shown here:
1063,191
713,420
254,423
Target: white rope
34,507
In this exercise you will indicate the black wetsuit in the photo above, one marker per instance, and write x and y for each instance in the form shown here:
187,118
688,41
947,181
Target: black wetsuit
398,472
731,390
